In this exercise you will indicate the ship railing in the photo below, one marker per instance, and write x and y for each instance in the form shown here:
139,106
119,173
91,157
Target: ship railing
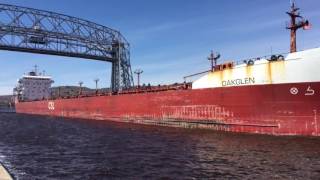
135,90
147,89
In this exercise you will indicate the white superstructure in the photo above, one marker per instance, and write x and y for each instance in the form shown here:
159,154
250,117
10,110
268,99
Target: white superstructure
296,67
33,86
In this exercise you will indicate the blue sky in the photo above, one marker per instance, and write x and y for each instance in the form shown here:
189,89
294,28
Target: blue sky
169,38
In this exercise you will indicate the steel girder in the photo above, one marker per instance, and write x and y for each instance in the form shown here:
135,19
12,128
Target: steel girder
43,32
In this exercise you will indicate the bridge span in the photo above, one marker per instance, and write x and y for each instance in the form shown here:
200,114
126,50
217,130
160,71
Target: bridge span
43,32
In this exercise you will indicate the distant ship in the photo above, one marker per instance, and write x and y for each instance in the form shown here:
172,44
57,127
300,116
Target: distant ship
276,95
33,86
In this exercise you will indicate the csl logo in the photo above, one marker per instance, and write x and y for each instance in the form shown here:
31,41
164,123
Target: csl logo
51,105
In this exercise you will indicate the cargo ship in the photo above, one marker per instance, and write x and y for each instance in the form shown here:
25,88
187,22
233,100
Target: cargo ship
276,95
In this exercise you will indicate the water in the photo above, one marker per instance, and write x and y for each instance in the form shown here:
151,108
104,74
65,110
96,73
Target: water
34,147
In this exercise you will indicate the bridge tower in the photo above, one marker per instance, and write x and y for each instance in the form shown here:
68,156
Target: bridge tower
121,77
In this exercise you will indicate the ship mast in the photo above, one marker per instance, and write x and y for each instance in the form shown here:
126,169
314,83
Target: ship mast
295,25
138,72
213,58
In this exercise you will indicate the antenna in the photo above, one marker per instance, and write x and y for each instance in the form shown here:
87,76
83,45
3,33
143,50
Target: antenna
80,84
292,2
35,69
96,81
213,58
138,72
295,25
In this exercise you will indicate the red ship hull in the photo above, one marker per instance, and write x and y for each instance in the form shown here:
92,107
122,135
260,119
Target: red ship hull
282,109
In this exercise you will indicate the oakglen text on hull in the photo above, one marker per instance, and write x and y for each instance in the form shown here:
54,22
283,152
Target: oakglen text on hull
276,95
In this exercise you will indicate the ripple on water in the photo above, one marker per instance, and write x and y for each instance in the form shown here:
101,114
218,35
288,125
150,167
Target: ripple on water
34,147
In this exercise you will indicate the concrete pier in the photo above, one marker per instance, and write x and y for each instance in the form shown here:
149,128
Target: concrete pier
4,175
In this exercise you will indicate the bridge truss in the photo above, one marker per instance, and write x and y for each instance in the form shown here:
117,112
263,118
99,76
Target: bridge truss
43,32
